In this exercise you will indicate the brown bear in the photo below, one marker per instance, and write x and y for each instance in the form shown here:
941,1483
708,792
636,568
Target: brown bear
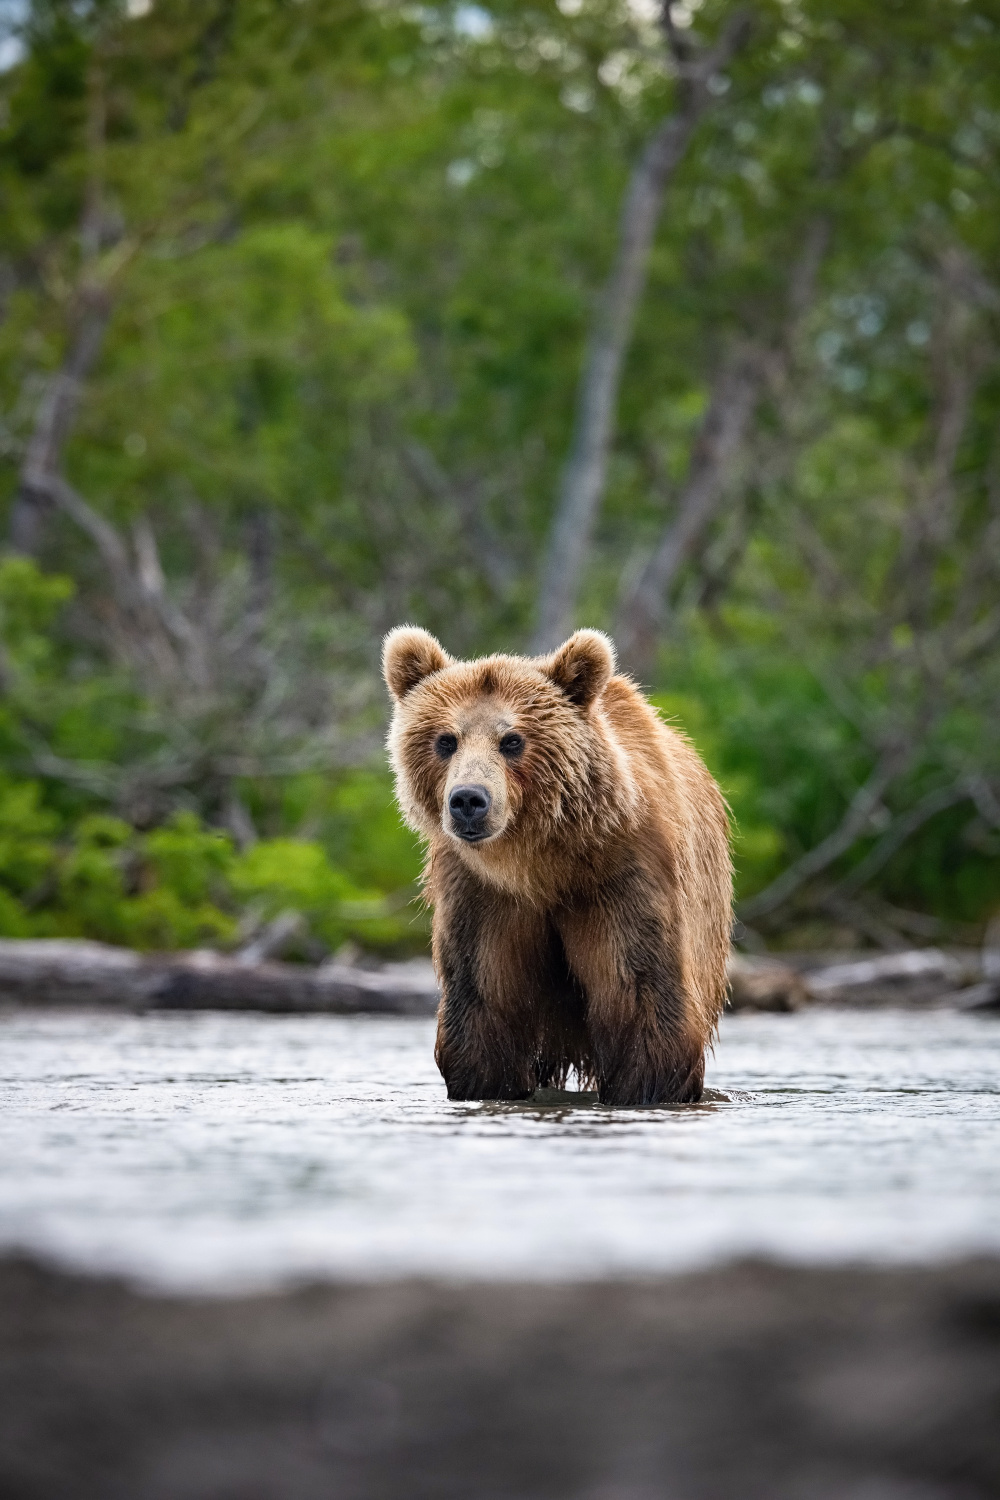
578,867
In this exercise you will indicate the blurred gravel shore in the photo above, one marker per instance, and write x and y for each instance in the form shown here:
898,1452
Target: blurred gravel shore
749,1381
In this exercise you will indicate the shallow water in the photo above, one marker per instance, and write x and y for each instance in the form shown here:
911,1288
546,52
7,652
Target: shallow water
215,1150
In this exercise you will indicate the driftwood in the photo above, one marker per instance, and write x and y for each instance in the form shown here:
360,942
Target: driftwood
917,976
764,984
56,972
914,978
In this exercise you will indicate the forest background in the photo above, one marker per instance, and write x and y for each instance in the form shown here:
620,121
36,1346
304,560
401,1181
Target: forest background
317,316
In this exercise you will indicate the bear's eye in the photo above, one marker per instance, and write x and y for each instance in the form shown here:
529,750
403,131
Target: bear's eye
512,744
445,745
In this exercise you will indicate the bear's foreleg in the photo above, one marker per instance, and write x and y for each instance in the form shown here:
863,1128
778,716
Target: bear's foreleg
654,1066
480,1055
647,1045
494,963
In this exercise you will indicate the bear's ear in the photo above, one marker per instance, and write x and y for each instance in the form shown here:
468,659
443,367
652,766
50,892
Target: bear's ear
410,654
582,666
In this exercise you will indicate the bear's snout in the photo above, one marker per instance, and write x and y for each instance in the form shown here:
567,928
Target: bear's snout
469,807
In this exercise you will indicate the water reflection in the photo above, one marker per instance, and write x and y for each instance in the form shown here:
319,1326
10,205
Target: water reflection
559,1105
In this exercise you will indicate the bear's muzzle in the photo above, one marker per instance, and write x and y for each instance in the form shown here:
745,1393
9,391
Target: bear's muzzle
469,807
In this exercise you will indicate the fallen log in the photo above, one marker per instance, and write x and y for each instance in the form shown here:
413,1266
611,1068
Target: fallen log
985,996
915,976
70,972
78,973
912,979
759,983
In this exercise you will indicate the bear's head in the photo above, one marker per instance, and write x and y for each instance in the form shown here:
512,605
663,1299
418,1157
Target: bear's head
505,752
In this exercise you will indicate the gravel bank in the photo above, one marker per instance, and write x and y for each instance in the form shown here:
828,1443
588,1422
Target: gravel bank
743,1382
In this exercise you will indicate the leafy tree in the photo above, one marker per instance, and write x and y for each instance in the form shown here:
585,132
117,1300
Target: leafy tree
296,304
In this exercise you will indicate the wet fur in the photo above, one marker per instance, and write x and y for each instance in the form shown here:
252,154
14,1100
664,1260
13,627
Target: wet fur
590,932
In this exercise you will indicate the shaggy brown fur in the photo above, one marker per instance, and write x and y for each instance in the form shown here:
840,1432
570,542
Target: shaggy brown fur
587,927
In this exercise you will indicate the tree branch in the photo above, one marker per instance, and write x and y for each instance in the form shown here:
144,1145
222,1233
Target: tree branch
900,830
139,603
853,824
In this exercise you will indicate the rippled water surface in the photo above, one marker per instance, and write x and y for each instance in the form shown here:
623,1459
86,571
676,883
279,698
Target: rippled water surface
225,1150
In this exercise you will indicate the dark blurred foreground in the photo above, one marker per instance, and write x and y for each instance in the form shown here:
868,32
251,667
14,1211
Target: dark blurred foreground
749,1381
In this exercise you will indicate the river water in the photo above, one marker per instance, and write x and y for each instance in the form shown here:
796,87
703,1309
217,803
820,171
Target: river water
230,1151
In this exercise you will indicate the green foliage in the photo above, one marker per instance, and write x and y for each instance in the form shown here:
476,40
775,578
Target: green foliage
243,366
290,875
356,879
69,868
114,885
782,758
29,600
102,880
27,853
363,828
179,886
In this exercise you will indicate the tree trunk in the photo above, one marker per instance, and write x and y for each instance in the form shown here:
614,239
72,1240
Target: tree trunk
53,423
57,409
732,405
745,372
597,398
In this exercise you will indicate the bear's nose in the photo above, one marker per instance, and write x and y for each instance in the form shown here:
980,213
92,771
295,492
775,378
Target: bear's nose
468,806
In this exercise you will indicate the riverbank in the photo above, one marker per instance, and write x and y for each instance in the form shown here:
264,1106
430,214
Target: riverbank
749,1381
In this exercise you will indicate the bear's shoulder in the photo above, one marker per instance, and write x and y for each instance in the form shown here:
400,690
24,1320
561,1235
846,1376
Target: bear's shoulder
661,754
630,713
